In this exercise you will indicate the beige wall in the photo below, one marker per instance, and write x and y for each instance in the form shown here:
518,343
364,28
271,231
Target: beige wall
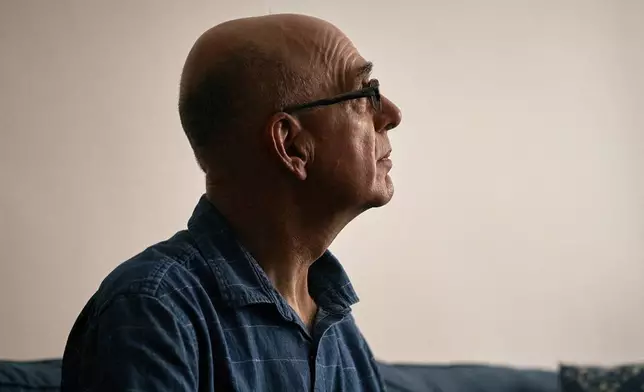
517,232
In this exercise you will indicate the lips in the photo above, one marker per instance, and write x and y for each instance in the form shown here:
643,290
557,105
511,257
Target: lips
386,156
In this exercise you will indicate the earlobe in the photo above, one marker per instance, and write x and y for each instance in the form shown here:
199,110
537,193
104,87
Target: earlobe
290,144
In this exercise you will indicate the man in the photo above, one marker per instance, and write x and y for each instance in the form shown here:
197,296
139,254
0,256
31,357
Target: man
291,133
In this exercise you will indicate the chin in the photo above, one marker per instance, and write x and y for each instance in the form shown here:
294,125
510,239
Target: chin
383,194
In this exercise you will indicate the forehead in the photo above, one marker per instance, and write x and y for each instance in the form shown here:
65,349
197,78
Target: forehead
352,73
340,59
321,50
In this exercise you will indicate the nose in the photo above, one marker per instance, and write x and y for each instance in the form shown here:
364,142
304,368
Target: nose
389,117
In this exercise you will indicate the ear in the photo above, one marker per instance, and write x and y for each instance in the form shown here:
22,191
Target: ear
291,144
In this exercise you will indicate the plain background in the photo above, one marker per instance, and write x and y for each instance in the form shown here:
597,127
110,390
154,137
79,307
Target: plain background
516,235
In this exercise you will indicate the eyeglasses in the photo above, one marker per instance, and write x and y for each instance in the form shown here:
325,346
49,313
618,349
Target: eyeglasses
372,92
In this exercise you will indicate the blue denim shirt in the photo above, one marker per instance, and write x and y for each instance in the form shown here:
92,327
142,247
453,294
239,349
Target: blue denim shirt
197,313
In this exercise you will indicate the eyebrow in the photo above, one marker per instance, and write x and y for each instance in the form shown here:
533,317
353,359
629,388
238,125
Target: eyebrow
364,71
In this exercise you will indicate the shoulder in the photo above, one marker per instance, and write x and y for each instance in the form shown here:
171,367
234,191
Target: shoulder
159,272
143,316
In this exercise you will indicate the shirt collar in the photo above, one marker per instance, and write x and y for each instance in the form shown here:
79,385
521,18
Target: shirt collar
240,279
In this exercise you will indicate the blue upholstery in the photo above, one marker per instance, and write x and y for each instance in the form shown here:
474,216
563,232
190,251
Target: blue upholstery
466,378
44,376
33,376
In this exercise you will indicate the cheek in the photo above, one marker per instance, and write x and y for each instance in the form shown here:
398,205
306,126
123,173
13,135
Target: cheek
359,163
367,142
352,145
366,151
354,162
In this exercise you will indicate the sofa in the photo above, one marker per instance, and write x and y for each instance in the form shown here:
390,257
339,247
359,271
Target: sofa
44,376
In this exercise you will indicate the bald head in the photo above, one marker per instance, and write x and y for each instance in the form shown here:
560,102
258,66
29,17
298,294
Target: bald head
240,72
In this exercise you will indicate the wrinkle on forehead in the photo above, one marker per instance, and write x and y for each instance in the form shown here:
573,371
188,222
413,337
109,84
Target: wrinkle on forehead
339,57
307,44
315,45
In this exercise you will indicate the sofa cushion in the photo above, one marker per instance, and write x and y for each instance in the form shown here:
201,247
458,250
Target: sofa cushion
32,376
466,378
626,378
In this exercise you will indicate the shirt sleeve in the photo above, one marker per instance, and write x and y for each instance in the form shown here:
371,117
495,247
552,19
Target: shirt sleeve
137,343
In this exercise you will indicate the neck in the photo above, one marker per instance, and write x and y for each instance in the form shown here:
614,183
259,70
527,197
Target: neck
285,237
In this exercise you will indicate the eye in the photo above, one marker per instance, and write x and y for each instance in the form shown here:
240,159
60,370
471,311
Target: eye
367,83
